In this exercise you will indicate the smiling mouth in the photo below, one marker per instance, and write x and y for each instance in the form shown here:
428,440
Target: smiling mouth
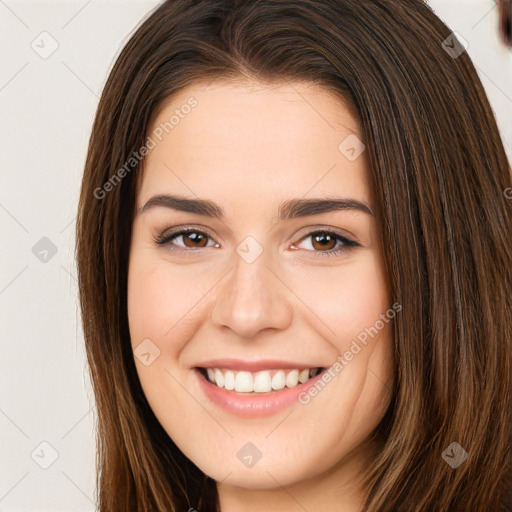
260,382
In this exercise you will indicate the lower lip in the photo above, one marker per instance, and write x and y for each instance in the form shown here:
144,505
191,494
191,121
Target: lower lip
253,406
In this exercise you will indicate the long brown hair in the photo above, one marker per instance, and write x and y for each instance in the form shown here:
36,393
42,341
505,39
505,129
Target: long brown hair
440,177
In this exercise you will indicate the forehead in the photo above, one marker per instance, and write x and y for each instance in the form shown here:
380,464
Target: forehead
259,140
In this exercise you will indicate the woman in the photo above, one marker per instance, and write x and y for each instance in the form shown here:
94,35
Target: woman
293,247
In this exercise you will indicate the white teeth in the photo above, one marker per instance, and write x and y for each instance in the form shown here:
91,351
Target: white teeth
292,379
259,382
262,382
278,380
229,380
243,382
219,378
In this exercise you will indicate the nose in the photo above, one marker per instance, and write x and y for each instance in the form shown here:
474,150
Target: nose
252,298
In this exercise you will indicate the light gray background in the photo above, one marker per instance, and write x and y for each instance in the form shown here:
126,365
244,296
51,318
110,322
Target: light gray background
47,107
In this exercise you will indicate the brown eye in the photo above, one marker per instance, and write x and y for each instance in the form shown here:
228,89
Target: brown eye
191,238
196,238
323,240
329,243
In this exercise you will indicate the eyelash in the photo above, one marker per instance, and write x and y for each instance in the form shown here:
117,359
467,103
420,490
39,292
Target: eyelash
348,244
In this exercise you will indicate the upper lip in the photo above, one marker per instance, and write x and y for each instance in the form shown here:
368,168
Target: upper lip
253,366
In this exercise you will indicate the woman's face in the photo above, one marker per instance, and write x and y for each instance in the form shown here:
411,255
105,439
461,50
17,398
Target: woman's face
257,293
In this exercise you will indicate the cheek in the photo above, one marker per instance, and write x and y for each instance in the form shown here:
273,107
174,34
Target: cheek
364,297
346,299
160,308
148,299
153,309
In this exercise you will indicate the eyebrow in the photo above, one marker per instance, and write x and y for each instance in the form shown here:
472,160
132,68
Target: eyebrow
289,209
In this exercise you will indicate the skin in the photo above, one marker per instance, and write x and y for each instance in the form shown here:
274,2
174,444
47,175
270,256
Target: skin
248,146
